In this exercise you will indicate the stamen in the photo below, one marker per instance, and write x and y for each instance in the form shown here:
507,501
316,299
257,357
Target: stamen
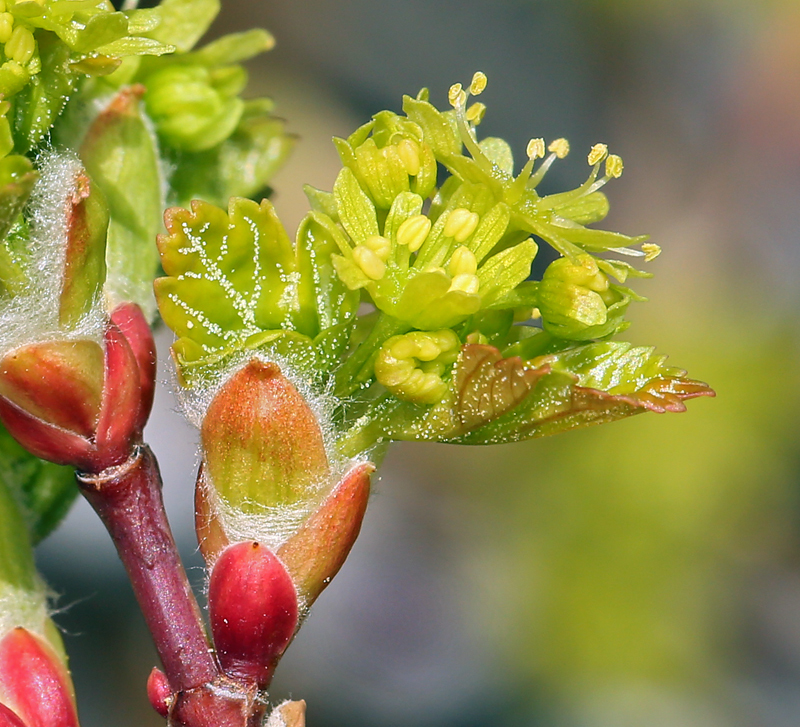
559,147
408,151
379,245
614,166
371,265
478,85
457,96
476,112
597,154
461,223
462,262
413,232
651,251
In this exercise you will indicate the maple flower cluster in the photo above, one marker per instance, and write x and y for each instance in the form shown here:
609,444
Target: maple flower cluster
458,343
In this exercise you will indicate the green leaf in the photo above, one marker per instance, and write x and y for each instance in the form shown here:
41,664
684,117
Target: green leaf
43,491
184,22
231,276
120,155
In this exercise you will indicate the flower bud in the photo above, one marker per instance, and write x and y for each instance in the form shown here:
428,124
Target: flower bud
263,450
576,301
191,112
253,610
392,160
34,684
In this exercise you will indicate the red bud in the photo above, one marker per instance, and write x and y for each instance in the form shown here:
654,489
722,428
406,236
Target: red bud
8,718
34,682
253,608
129,318
314,555
59,382
41,439
119,415
158,691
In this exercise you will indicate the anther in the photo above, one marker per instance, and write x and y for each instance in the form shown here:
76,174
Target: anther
371,265
408,152
597,154
478,84
476,112
462,262
535,149
559,147
379,245
614,166
461,223
457,96
413,232
21,46
651,251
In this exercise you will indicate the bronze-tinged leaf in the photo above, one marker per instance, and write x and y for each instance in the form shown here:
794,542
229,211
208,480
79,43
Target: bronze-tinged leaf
558,405
486,385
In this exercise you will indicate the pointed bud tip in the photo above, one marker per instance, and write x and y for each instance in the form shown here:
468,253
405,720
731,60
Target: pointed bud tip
159,692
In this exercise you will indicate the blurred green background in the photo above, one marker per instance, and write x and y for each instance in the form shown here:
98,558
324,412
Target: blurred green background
645,573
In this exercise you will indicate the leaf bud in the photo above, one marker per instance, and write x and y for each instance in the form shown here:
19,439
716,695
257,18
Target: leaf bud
159,692
253,611
263,452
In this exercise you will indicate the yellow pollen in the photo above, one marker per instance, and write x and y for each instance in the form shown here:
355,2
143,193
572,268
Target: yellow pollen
476,112
466,283
413,232
462,262
597,154
535,149
408,151
6,27
614,166
651,251
371,265
379,245
478,85
559,147
536,314
461,223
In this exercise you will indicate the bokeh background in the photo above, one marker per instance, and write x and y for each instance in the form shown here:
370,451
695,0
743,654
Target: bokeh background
640,574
